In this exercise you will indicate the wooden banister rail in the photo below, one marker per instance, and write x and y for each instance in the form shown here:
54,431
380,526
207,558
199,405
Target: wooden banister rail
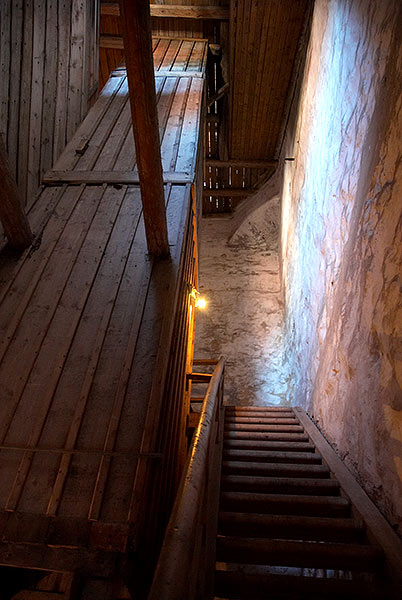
199,377
185,565
205,361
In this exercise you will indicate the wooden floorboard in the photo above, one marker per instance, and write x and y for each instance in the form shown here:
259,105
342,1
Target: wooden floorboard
78,365
81,317
83,332
104,143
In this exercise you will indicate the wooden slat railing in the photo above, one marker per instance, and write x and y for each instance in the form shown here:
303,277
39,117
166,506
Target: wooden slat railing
186,562
164,432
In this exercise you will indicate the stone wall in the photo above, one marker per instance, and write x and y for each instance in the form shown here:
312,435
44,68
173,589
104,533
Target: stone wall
239,276
342,240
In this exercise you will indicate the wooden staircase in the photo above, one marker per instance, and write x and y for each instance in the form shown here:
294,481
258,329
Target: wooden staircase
286,527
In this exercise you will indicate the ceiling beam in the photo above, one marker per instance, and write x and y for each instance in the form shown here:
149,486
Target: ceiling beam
228,192
136,28
114,42
175,11
12,215
219,94
240,164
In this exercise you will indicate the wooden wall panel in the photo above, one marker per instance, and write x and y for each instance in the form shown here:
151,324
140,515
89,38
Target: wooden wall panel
265,42
48,70
109,58
210,30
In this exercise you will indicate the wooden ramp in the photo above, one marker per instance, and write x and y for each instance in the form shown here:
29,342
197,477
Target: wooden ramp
86,322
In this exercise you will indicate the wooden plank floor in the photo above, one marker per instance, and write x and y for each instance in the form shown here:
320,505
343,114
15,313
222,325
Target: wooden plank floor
102,150
81,315
74,315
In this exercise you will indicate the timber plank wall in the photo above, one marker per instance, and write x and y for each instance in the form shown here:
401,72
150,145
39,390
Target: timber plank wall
48,72
111,55
94,338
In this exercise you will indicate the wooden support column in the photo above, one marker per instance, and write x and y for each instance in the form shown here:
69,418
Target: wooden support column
136,27
12,215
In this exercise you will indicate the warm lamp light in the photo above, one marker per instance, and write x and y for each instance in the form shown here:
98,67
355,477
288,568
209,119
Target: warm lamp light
201,303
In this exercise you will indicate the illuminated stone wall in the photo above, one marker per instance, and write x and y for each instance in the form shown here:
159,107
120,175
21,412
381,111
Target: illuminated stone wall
239,275
342,240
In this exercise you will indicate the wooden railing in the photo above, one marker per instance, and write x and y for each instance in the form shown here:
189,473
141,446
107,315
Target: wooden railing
186,562
164,432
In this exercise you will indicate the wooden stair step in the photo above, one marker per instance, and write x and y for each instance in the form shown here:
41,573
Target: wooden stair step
290,527
268,445
243,586
253,409
238,467
259,415
280,485
289,419
267,436
285,530
271,456
292,553
285,504
262,420
251,427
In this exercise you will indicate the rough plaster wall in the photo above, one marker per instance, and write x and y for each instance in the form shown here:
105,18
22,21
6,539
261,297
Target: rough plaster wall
342,241
239,275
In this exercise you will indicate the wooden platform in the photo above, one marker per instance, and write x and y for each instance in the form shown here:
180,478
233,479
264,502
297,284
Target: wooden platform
102,150
83,316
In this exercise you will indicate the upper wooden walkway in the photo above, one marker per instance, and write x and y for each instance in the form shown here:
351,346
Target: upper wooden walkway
84,316
102,150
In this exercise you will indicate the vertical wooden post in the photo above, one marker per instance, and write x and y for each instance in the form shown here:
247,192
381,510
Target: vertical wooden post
136,28
12,215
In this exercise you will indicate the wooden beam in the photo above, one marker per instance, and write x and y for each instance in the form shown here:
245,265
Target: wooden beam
12,215
219,94
193,420
110,177
205,361
240,164
136,28
175,11
59,559
200,377
110,8
164,73
228,192
39,594
113,42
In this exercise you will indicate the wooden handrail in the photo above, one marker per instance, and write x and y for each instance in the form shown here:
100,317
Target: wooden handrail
179,552
205,361
199,377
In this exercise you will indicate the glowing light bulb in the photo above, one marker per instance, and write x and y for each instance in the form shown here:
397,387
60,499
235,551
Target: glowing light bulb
201,303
